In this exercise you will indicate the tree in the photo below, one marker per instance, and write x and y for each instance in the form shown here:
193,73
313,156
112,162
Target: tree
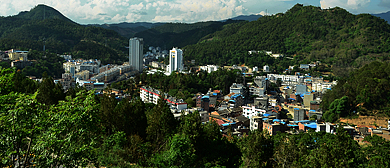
257,149
49,92
21,121
338,108
161,124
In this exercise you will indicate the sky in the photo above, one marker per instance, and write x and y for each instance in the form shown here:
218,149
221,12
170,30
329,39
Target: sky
184,11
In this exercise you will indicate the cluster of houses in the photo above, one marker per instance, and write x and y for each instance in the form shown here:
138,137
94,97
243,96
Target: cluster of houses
292,108
16,58
91,74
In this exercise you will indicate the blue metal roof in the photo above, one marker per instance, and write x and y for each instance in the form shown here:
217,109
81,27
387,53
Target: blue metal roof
227,124
311,125
205,97
296,108
215,94
266,115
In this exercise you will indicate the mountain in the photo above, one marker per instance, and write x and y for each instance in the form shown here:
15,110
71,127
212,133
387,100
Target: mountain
246,17
306,33
29,30
128,30
41,12
180,34
385,16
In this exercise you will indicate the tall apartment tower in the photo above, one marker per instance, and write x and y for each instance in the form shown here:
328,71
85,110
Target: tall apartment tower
136,51
175,60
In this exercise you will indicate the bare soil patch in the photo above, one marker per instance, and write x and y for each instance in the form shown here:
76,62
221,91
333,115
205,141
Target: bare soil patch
367,120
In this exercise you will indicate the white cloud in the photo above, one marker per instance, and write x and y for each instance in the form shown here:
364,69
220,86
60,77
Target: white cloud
347,4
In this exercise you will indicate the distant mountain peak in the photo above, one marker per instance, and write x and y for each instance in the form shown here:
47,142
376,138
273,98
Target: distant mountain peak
41,12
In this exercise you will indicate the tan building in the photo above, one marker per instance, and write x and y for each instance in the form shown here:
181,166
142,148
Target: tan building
17,55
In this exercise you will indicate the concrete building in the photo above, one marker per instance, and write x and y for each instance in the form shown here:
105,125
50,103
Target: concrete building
256,122
83,75
69,67
175,60
150,95
17,55
266,68
237,88
299,114
250,111
209,68
136,49
307,99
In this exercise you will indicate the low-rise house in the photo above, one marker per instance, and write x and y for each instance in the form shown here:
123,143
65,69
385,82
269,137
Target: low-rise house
251,110
256,122
327,127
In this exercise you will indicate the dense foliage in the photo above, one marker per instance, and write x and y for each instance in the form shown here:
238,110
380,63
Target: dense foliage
332,36
366,91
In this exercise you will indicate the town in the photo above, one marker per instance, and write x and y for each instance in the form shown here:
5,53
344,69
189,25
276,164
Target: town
293,106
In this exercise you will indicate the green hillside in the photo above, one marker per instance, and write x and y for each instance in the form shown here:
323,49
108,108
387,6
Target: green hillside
307,33
28,30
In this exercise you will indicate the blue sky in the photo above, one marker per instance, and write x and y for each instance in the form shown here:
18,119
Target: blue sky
186,11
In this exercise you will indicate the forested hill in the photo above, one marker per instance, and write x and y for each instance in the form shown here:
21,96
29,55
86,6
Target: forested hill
30,30
128,30
333,36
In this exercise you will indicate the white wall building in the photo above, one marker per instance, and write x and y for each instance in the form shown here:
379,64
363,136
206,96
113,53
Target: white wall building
266,68
209,68
250,111
175,60
136,49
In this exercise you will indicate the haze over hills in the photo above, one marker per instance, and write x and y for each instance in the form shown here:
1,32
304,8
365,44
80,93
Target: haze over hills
385,16
129,30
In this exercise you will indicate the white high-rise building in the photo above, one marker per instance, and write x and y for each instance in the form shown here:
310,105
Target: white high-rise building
136,51
175,60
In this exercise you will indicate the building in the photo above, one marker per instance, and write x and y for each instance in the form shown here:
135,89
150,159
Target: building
266,68
203,102
150,95
250,111
83,75
307,99
237,88
299,114
69,67
175,60
256,122
17,55
300,89
136,49
209,68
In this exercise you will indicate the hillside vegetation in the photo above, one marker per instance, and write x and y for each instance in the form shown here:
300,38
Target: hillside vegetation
307,33
180,34
366,90
28,30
